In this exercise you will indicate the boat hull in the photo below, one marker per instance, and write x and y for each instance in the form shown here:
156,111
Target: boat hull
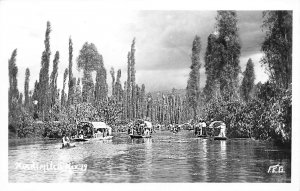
68,147
139,136
93,139
220,138
80,140
202,136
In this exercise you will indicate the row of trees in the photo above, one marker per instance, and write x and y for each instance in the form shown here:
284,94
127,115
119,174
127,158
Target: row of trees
249,109
261,111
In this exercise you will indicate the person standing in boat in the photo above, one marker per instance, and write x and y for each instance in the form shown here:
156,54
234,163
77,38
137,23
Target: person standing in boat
65,141
203,127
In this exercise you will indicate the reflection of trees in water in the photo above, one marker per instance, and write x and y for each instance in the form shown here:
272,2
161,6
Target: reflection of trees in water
197,159
135,160
268,156
239,152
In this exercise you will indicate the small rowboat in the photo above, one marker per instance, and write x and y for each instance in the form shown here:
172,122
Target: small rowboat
80,140
139,136
68,147
92,139
202,136
220,138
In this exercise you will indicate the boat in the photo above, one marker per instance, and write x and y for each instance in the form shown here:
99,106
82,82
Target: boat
68,147
202,136
220,138
139,136
87,131
140,129
219,128
200,129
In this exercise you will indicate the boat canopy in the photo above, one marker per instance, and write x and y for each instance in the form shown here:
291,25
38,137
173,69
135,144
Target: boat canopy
148,124
217,124
94,125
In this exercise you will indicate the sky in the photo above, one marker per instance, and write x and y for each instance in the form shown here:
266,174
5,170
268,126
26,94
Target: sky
163,39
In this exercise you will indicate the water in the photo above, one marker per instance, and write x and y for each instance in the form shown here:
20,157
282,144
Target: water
164,158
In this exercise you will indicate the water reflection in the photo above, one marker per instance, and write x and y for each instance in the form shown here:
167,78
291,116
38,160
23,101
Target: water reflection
163,158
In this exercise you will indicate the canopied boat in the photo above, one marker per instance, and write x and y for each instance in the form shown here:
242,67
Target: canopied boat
93,131
219,128
140,129
200,129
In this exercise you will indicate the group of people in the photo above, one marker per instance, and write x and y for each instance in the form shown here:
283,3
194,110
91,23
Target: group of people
141,128
200,128
101,134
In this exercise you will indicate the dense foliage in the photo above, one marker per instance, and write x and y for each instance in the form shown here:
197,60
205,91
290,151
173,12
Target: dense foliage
259,111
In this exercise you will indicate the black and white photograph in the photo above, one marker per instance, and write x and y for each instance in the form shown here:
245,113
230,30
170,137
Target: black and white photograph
117,92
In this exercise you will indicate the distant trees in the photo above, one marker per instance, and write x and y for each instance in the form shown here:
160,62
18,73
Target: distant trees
277,46
193,84
263,113
248,81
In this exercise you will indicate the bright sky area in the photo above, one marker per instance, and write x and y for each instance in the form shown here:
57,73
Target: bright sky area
163,39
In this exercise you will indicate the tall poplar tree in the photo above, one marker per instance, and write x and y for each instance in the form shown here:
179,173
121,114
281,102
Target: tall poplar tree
193,84
63,94
26,87
118,86
277,46
101,88
13,92
230,49
72,82
112,73
53,80
133,84
248,81
43,98
128,88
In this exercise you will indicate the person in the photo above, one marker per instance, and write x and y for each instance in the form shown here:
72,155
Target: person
222,130
204,128
65,141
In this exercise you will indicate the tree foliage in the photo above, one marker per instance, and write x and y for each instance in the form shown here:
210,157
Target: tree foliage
248,81
193,84
277,46
43,97
26,88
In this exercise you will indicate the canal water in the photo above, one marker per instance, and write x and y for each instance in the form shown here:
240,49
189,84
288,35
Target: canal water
166,157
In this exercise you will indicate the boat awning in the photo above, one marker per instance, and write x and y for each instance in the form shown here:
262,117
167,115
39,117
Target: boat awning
94,125
217,124
148,124
100,125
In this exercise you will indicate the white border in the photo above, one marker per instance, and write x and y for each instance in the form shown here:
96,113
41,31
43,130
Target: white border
172,5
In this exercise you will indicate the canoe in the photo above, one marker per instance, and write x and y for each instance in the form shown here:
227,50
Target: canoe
102,138
139,136
80,140
202,136
220,138
66,147
97,138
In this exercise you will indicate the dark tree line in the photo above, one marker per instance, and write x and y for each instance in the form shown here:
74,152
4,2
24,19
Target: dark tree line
259,110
